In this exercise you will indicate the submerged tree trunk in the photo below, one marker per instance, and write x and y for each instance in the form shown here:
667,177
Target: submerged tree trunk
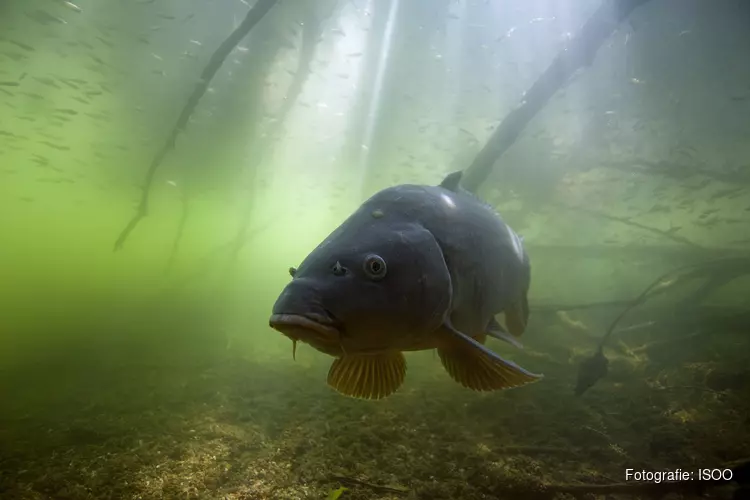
312,28
358,117
580,52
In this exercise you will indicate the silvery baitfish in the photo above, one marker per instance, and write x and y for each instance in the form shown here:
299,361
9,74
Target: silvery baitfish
415,267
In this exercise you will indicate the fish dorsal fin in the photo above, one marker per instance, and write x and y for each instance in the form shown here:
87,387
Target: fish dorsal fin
452,181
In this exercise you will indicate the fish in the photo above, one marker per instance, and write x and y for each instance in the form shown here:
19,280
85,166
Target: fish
415,267
72,6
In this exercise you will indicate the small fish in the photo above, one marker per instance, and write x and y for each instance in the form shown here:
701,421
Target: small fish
72,6
70,84
97,60
172,183
105,42
44,18
55,146
47,81
25,47
414,268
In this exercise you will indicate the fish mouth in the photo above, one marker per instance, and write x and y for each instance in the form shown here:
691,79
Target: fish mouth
299,326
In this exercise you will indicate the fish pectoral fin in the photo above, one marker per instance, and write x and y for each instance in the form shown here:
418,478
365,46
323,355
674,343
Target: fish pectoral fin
495,330
474,366
517,316
368,376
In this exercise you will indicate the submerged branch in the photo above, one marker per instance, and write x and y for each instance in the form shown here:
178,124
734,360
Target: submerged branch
628,222
665,281
681,171
311,32
254,15
312,29
180,231
553,308
580,52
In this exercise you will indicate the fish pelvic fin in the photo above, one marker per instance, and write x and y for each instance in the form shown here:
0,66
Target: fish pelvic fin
517,316
368,376
495,330
476,367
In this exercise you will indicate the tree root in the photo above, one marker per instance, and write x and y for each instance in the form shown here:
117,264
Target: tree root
254,15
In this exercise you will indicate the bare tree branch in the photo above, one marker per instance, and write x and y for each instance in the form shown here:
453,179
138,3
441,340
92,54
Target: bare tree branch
579,53
256,13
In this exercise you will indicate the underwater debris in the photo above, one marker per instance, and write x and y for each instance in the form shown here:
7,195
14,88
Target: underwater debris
595,367
591,370
577,54
335,494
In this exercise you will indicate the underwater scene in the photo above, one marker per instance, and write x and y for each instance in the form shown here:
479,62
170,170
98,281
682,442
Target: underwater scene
374,249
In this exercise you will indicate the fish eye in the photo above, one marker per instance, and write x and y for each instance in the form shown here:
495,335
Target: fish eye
292,271
338,269
374,267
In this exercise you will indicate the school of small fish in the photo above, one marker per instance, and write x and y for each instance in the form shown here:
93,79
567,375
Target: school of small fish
44,100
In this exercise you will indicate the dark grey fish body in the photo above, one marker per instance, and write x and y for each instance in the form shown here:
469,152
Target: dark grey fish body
489,269
415,267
